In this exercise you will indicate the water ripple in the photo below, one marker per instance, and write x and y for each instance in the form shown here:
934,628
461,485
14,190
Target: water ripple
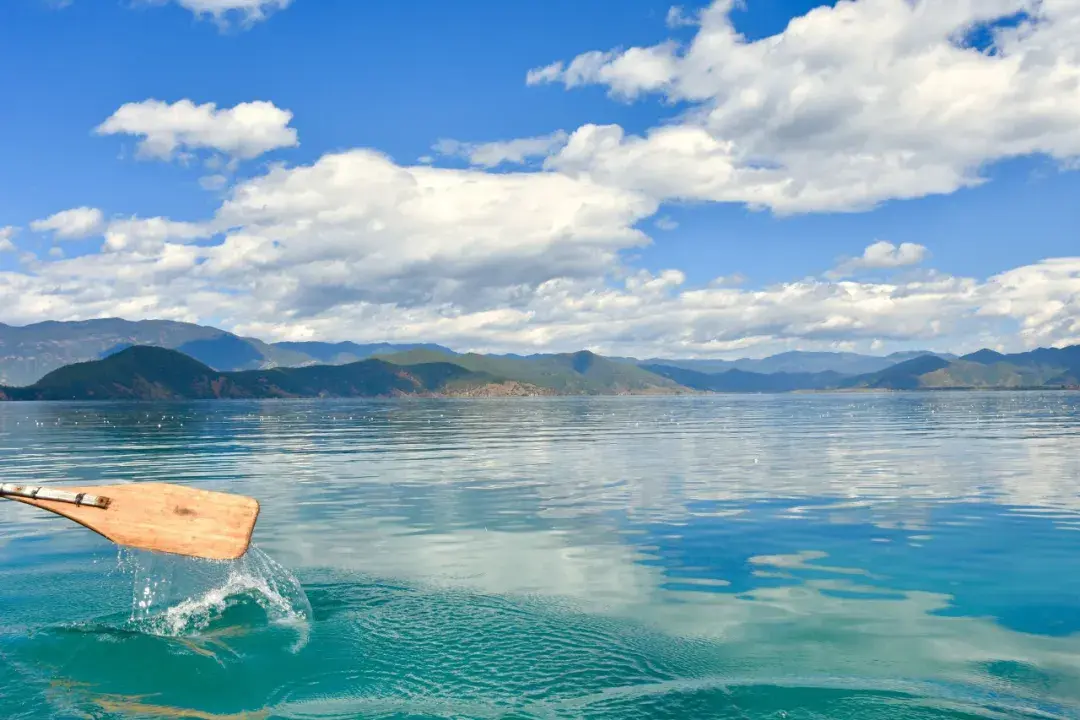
833,555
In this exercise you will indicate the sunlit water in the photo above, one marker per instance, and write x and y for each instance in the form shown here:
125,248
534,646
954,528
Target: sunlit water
819,556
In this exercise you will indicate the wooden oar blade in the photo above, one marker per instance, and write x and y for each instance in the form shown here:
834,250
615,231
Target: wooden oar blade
165,518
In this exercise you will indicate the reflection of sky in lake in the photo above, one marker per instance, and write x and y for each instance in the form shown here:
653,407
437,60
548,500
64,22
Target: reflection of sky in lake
905,537
1010,566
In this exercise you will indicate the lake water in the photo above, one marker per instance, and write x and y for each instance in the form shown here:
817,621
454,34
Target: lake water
818,556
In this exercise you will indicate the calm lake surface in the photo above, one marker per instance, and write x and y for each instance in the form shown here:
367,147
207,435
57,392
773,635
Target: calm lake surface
819,556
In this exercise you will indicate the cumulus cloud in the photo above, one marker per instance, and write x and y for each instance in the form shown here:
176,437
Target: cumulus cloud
491,154
149,235
356,226
883,255
849,106
73,224
168,131
628,74
353,233
1044,298
354,246
6,233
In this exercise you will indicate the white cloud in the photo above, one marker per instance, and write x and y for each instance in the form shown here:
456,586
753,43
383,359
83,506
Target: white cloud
546,74
883,255
677,17
1044,297
169,131
849,106
666,223
629,73
72,224
250,11
6,233
213,182
149,235
356,247
356,227
491,154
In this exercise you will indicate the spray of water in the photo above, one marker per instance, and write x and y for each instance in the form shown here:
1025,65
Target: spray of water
179,597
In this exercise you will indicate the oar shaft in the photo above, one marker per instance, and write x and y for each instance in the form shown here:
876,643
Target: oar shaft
38,492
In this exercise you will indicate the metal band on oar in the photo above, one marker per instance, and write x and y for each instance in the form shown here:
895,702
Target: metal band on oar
44,493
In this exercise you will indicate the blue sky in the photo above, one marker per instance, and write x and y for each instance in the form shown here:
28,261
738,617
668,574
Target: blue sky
397,78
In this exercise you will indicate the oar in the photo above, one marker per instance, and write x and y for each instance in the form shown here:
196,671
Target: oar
153,516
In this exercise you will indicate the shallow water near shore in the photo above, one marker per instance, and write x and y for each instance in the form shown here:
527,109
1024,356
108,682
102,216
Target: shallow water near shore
911,555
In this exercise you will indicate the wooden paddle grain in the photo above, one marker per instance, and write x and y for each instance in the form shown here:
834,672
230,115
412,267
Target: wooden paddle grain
165,518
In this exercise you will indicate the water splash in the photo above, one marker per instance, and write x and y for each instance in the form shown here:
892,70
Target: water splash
180,597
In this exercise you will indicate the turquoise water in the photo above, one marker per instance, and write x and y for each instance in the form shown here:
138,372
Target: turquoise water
820,556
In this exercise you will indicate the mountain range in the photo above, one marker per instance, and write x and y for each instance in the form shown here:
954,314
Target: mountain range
144,372
800,362
114,358
28,352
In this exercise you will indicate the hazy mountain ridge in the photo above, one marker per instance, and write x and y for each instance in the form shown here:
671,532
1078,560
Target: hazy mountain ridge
743,381
923,372
155,373
29,354
800,362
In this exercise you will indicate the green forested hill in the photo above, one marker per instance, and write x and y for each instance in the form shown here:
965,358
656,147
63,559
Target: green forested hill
154,373
144,372
570,373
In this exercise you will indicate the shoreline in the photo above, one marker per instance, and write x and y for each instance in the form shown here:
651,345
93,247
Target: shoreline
550,395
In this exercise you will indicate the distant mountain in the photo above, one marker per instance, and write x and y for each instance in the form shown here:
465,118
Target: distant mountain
29,352
1041,368
347,352
963,374
899,357
984,357
568,373
901,376
734,381
985,369
1066,357
224,352
155,373
799,362
143,372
